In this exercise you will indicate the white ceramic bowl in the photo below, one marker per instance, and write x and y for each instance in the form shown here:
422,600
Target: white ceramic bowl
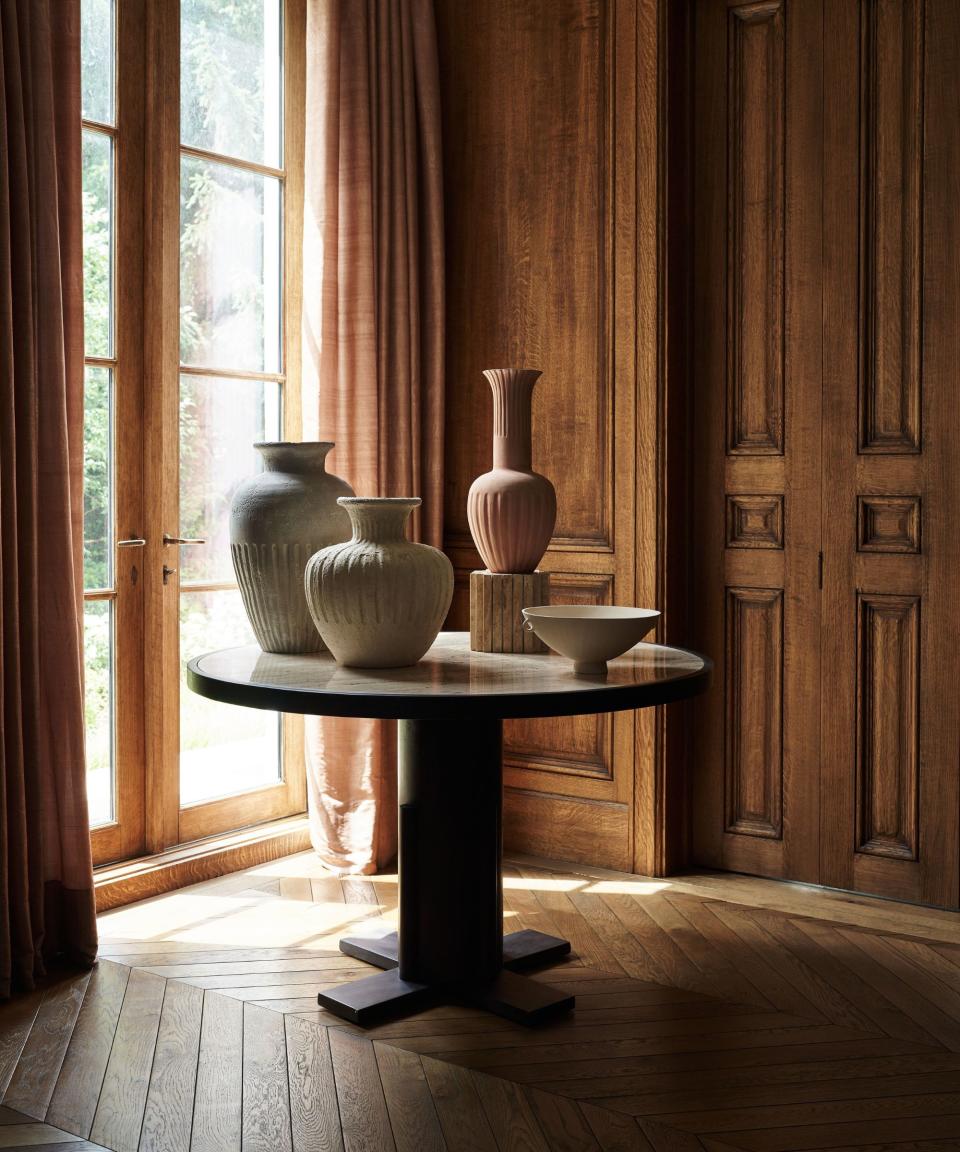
588,634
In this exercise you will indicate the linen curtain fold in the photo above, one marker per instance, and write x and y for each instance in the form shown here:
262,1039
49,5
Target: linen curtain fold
46,879
373,329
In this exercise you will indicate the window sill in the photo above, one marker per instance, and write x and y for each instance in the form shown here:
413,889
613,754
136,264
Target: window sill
131,880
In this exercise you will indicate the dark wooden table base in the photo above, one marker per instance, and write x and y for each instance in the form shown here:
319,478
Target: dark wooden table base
374,999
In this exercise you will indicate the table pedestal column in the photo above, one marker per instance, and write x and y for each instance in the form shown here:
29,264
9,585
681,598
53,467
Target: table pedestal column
450,944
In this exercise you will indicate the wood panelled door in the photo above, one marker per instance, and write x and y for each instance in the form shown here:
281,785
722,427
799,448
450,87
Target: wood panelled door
827,474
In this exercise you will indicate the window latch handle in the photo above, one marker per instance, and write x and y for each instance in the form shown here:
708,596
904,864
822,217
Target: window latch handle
180,540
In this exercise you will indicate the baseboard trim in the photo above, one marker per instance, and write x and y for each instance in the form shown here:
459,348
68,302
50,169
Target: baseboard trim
132,880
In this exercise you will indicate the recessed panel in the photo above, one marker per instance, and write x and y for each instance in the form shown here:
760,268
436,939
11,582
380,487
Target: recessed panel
755,229
888,734
754,712
754,521
891,275
888,523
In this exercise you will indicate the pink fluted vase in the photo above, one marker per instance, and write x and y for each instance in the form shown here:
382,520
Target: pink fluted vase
511,509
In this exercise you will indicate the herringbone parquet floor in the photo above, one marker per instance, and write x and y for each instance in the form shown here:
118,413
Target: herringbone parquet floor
713,1013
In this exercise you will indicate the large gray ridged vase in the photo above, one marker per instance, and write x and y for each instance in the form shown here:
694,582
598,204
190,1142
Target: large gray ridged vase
379,600
278,519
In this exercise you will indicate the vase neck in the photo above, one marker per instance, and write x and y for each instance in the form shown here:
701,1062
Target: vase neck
286,456
379,520
512,398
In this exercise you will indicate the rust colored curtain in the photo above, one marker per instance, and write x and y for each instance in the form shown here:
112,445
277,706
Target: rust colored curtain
46,878
372,335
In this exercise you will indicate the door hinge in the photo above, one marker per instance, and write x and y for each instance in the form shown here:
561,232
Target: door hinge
820,570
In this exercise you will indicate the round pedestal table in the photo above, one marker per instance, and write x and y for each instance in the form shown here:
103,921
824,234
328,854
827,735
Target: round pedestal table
450,707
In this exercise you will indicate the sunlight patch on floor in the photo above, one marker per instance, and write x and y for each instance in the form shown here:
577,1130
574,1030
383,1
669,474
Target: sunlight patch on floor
528,884
627,887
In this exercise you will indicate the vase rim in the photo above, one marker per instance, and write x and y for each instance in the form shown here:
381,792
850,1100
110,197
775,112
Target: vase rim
258,444
394,501
536,371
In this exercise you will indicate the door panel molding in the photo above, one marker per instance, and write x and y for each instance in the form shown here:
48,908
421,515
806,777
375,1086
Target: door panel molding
891,197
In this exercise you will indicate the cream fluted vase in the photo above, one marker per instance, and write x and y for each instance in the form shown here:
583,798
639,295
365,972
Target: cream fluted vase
379,600
511,509
278,519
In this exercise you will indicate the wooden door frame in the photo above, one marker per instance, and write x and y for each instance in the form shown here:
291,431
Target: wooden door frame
664,72
123,836
164,823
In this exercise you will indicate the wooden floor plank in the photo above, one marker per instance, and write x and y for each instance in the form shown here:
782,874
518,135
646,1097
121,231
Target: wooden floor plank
758,960
413,1116
850,948
647,1046
123,1095
615,1132
634,959
821,999
675,967
9,1116
77,1090
923,1107
893,1135
266,1096
309,962
716,978
713,947
217,1107
363,1110
462,1118
36,1135
664,1139
663,1076
16,1020
359,890
168,1115
592,949
697,1098
744,1025
41,1057
68,1144
510,1116
914,965
561,1122
878,1012
314,1112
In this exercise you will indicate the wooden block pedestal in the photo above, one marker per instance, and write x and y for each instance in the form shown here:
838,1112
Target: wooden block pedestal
496,598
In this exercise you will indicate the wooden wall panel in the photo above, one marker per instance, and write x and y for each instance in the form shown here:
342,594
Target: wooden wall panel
753,761
756,376
755,236
527,172
581,745
541,126
888,732
891,163
891,546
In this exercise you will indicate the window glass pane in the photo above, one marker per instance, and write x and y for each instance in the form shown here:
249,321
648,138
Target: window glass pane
97,478
231,78
96,60
97,243
220,421
229,267
223,749
98,687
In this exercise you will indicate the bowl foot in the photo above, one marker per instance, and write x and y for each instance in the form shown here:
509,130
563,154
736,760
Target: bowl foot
590,667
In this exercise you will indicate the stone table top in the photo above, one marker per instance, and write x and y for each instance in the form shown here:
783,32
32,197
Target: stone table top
449,681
